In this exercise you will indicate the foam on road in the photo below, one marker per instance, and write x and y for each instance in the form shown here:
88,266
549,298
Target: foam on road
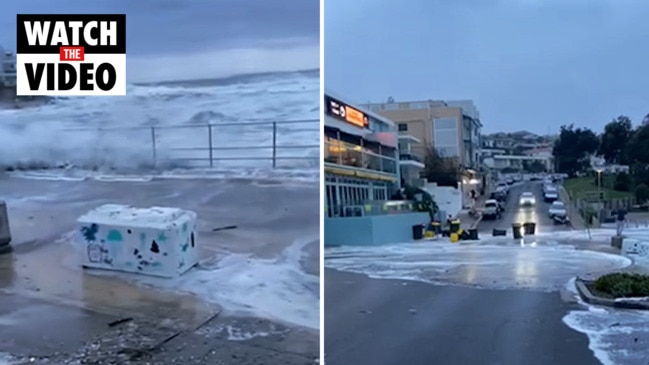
494,263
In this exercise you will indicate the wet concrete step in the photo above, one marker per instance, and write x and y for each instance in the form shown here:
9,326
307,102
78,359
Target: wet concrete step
32,327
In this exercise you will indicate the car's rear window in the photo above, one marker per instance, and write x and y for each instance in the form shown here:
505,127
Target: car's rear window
490,205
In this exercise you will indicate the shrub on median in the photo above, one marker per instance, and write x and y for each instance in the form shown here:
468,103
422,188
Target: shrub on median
623,285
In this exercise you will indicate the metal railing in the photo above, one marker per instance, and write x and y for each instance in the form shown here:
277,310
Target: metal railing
208,145
350,155
409,157
371,208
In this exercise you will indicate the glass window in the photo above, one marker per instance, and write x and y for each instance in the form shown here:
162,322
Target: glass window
445,123
403,127
389,166
447,151
446,137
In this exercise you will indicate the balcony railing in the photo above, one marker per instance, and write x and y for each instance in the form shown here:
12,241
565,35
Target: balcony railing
371,208
346,154
278,143
409,157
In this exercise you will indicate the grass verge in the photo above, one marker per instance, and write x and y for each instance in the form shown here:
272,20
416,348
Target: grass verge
579,187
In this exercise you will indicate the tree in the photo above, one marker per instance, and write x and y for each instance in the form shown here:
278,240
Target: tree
509,170
424,202
623,182
637,148
614,139
573,148
535,167
442,170
642,193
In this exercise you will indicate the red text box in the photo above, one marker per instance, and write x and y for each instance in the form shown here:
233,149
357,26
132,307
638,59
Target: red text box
71,54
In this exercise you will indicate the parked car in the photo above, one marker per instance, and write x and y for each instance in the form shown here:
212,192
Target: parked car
527,198
503,186
547,185
558,210
550,195
499,194
491,210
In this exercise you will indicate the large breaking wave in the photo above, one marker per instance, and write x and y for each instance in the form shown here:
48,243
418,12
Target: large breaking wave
165,126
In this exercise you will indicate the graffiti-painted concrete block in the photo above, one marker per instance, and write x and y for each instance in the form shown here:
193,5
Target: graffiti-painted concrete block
635,248
154,241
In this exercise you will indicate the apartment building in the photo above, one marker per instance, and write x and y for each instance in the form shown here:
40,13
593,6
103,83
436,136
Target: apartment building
363,168
7,68
452,128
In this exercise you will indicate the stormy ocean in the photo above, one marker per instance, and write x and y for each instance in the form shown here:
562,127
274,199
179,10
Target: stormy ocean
163,128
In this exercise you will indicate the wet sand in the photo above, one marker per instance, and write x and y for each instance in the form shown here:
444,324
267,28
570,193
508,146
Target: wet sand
42,273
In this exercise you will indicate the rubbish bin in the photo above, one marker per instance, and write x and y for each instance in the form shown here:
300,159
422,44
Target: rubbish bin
529,227
517,231
5,234
455,226
418,231
473,234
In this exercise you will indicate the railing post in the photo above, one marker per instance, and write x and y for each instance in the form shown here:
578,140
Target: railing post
274,144
209,132
153,145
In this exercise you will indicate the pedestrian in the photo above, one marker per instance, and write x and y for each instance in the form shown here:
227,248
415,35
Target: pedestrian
621,218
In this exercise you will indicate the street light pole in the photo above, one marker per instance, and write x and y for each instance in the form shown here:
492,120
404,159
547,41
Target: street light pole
599,186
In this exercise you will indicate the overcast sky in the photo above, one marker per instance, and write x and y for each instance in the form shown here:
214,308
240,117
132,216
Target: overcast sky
527,64
177,39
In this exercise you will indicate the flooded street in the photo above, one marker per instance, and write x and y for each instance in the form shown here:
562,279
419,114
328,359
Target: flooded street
493,263
255,289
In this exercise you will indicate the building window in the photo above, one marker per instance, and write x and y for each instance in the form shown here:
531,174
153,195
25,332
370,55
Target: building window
447,151
403,127
370,156
350,197
445,123
445,137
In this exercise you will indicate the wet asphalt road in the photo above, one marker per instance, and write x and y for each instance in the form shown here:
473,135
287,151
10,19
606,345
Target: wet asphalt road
514,213
392,322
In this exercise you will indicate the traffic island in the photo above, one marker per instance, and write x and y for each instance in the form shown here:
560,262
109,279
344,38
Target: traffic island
616,290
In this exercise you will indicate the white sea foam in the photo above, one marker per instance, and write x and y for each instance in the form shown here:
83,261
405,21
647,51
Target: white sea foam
115,132
616,337
6,359
258,174
276,289
493,263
